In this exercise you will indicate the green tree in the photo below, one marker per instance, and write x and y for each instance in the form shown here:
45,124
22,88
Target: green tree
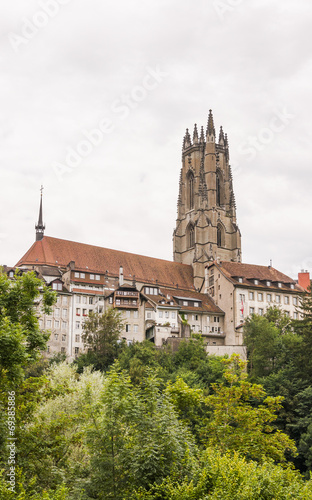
303,328
242,417
271,343
22,299
101,338
135,439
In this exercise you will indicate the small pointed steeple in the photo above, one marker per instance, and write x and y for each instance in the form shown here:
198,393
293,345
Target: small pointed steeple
221,137
195,135
202,136
40,226
187,140
210,125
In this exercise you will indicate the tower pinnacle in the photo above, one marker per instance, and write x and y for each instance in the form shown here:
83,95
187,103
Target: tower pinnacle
210,125
40,226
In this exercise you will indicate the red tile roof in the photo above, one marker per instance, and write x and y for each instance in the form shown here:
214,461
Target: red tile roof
206,303
235,270
56,252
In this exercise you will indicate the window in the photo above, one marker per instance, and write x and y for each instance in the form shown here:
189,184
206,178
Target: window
90,300
260,311
128,328
212,329
77,338
173,315
77,325
57,312
135,314
219,237
117,302
56,324
292,286
77,311
128,314
135,328
76,275
286,299
166,314
295,315
256,282
185,316
49,323
279,285
64,325
216,319
84,299
191,236
82,275
58,301
160,314
287,313
91,276
268,283
63,338
251,296
40,323
251,310
218,195
111,300
277,299
84,312
295,301
48,348
11,274
240,280
260,297
78,299
64,313
196,304
97,277
148,315
65,301
185,302
76,350
56,336
62,350
269,297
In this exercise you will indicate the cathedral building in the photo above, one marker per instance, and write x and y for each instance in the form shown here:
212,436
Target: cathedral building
206,289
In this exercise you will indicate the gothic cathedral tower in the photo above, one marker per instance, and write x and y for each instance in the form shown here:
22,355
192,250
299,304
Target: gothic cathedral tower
206,228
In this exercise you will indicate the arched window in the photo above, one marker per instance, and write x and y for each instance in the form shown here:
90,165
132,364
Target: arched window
220,236
190,236
190,189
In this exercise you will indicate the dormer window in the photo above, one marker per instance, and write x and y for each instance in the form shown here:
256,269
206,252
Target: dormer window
11,274
268,283
292,286
279,284
256,282
240,280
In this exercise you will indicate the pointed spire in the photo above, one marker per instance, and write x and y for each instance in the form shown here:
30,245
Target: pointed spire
202,136
40,226
187,139
221,137
195,135
210,125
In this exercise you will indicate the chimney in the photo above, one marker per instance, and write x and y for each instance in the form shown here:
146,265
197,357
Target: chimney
304,279
121,277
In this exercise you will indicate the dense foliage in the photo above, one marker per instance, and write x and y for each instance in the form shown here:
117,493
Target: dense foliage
146,423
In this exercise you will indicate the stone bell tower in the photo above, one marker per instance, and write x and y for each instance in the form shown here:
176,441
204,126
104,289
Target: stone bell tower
206,227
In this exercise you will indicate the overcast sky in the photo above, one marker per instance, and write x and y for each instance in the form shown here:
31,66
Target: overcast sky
131,76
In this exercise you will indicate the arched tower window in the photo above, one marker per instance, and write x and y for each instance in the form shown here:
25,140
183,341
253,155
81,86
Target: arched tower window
190,190
220,236
190,235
